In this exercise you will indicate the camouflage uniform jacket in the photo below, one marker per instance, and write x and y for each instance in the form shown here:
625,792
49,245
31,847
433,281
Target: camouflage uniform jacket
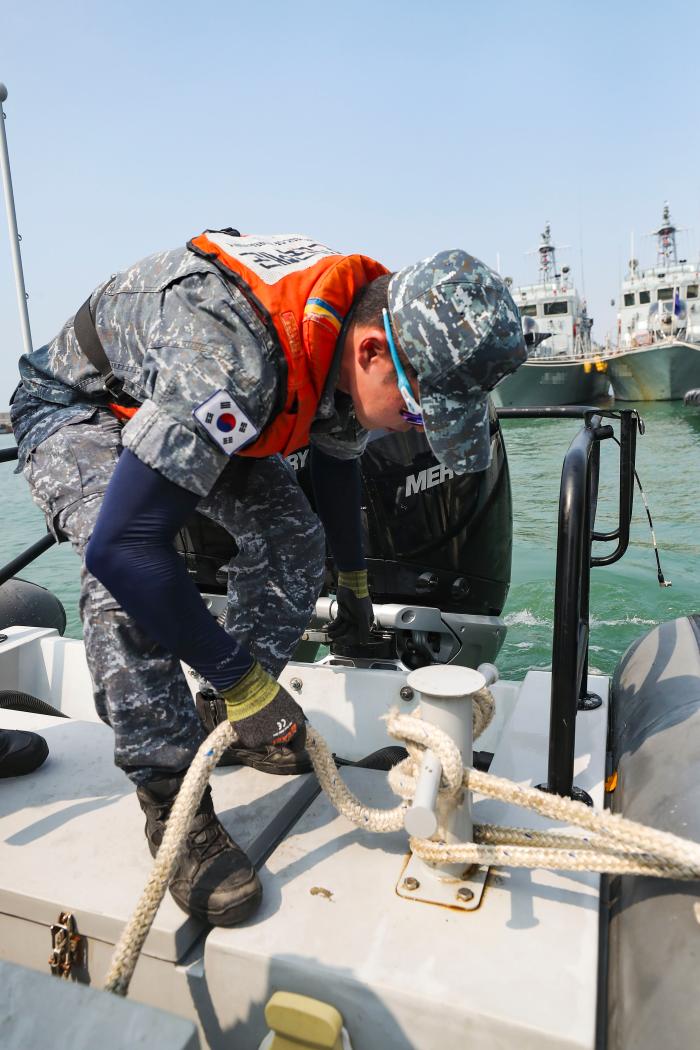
175,331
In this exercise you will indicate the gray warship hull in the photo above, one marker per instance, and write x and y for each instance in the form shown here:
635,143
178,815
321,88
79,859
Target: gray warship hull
552,382
661,372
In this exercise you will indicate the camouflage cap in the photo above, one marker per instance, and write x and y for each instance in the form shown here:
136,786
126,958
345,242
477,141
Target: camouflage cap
460,329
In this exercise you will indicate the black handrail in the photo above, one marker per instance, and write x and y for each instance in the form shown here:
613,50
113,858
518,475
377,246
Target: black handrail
550,412
27,556
578,497
629,422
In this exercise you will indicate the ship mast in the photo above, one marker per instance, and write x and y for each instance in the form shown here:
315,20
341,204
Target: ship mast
548,259
666,253
633,263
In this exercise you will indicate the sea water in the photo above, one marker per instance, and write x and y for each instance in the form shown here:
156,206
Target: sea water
626,599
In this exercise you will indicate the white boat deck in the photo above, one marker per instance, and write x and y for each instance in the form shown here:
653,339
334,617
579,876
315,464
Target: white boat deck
518,972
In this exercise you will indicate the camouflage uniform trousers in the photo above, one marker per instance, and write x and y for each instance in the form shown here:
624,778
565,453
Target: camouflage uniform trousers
273,582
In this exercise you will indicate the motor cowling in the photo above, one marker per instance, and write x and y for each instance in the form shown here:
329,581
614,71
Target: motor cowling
431,537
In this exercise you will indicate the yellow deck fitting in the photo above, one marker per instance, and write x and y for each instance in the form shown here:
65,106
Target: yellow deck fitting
301,1023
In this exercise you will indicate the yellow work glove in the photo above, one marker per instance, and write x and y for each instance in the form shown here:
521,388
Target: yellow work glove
263,712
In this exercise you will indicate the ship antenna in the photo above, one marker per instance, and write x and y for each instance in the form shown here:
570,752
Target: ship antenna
583,276
666,239
12,224
633,263
548,258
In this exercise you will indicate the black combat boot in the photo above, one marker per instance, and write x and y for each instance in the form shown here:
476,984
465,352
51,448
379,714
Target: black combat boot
21,752
283,761
214,880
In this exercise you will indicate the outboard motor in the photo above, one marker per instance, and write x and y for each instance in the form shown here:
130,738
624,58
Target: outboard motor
436,541
433,537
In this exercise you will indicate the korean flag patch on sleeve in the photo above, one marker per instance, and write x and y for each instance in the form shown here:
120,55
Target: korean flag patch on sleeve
225,422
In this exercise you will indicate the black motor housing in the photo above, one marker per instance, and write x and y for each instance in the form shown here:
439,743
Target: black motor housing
431,537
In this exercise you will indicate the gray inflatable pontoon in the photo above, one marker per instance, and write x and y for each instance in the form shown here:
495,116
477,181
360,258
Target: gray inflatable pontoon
654,961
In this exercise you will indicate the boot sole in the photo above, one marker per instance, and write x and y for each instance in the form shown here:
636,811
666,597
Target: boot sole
234,759
231,916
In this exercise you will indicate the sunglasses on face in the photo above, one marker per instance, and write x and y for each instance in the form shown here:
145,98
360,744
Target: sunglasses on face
412,413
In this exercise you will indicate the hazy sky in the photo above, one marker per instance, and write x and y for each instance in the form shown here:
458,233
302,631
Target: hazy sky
390,128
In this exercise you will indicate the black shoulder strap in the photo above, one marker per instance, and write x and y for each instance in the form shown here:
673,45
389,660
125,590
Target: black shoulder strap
89,343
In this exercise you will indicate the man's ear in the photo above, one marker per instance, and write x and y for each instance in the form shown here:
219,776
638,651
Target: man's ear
372,349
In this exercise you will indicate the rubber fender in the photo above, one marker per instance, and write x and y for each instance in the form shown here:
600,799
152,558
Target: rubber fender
28,604
654,931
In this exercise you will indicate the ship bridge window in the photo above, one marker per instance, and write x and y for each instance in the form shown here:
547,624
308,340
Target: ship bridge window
644,297
559,306
664,294
691,291
528,310
629,298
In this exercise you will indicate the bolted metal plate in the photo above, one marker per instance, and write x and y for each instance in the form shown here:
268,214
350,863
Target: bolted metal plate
420,882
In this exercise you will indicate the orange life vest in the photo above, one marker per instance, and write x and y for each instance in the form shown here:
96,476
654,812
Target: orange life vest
304,291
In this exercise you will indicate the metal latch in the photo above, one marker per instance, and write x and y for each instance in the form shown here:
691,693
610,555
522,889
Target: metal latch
68,947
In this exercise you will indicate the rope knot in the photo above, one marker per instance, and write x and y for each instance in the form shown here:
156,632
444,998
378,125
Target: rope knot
420,736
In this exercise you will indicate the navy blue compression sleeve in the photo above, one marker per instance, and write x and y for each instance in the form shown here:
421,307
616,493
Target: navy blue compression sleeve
338,494
131,552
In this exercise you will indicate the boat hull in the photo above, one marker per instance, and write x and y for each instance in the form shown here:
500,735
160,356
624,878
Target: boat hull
552,383
663,372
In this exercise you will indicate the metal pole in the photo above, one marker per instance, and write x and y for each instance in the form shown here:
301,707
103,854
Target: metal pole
24,559
567,618
14,235
446,692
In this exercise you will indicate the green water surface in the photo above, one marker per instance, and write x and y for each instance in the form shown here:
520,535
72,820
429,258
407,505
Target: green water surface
625,598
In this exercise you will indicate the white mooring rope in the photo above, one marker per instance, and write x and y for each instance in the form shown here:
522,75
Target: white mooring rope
612,844
129,945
